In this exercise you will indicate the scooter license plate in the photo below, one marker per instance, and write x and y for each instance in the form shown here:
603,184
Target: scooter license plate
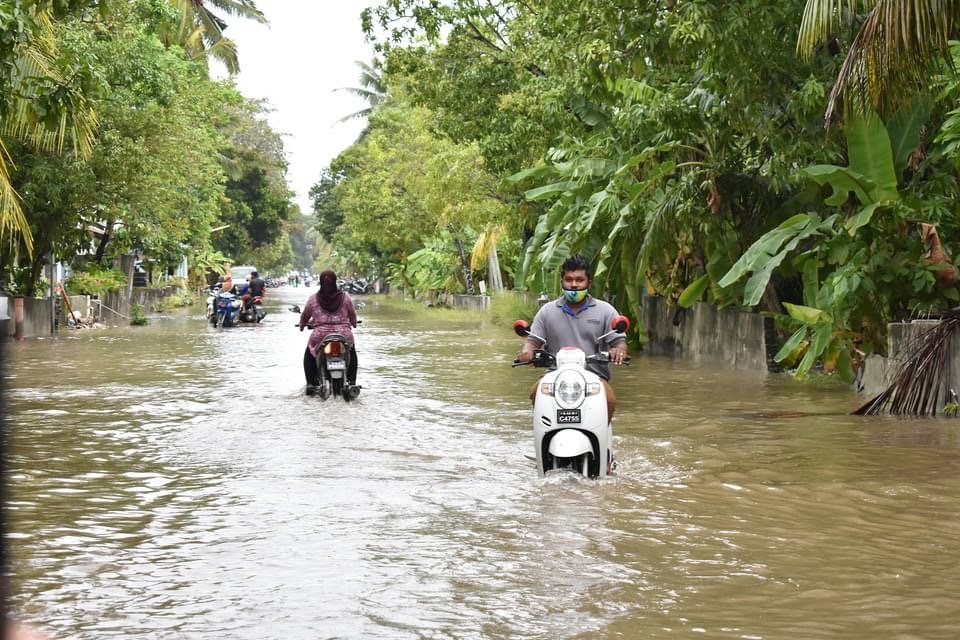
337,365
568,416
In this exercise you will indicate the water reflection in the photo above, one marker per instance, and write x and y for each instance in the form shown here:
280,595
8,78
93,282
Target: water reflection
174,482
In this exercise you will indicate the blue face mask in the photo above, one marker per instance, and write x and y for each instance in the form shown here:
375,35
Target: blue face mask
575,295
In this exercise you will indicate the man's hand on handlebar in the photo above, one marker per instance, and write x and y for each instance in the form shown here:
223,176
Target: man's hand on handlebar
524,357
618,353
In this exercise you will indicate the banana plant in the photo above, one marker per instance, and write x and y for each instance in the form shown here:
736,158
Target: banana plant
848,260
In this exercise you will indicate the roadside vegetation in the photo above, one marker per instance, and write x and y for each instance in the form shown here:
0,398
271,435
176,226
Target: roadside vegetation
716,151
116,139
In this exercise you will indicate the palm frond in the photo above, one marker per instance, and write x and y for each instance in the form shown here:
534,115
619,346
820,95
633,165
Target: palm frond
225,50
373,97
918,378
239,8
371,76
212,24
362,113
485,244
822,19
32,65
660,234
12,220
372,88
201,30
900,43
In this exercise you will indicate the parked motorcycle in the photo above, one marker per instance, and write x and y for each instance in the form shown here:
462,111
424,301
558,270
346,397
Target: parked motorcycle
223,309
355,285
571,429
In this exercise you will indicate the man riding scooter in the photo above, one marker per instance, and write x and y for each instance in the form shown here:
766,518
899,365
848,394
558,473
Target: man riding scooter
256,288
577,319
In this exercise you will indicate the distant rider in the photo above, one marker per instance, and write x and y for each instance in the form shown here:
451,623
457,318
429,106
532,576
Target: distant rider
577,319
329,311
256,288
226,285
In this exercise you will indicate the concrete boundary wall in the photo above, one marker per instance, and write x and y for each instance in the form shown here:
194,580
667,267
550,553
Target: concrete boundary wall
477,303
116,305
36,317
704,333
81,307
36,311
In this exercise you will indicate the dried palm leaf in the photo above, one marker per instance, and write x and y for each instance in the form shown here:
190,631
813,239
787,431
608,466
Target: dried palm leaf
918,378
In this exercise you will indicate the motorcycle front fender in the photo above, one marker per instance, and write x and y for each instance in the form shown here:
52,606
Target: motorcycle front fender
569,443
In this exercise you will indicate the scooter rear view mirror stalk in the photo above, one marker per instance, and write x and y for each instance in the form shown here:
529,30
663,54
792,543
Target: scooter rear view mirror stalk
619,326
522,329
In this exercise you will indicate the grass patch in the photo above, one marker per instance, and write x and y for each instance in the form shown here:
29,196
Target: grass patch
504,308
175,301
419,309
507,306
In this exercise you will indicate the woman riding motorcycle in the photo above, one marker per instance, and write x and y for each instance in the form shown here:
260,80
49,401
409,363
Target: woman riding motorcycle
330,311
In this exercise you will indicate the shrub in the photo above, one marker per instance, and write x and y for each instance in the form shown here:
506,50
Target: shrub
95,282
137,316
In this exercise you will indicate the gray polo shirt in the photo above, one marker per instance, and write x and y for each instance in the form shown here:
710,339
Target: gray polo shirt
564,327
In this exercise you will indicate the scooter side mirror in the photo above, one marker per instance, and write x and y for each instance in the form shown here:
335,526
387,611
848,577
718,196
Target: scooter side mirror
620,324
521,328
295,308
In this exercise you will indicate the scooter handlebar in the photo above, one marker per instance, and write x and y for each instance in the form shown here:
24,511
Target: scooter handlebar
540,359
310,326
604,356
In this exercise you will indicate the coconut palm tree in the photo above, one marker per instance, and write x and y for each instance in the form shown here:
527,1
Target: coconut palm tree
372,88
897,47
201,30
32,65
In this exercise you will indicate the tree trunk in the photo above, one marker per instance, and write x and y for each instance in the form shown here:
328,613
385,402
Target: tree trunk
467,276
104,240
37,263
770,299
493,266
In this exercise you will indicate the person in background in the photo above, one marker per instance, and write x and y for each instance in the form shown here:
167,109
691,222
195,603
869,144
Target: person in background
329,311
227,283
256,288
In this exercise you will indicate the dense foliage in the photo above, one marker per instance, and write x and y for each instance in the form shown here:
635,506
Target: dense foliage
116,140
680,145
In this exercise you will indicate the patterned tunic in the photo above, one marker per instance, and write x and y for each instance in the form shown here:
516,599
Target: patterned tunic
324,322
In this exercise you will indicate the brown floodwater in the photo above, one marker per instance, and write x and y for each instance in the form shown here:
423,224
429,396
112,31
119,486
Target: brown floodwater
172,481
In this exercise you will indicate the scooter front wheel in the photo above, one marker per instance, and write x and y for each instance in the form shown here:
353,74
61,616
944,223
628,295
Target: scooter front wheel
579,464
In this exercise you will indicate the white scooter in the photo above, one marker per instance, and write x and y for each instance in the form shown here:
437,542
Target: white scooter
570,424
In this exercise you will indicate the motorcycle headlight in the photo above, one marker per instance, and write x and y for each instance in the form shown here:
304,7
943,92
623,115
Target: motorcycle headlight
569,389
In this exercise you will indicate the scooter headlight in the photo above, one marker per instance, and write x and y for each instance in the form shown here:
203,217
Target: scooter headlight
569,389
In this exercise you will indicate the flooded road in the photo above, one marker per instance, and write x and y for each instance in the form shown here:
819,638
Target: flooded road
172,481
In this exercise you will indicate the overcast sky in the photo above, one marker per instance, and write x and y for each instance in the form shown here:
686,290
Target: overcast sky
308,50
